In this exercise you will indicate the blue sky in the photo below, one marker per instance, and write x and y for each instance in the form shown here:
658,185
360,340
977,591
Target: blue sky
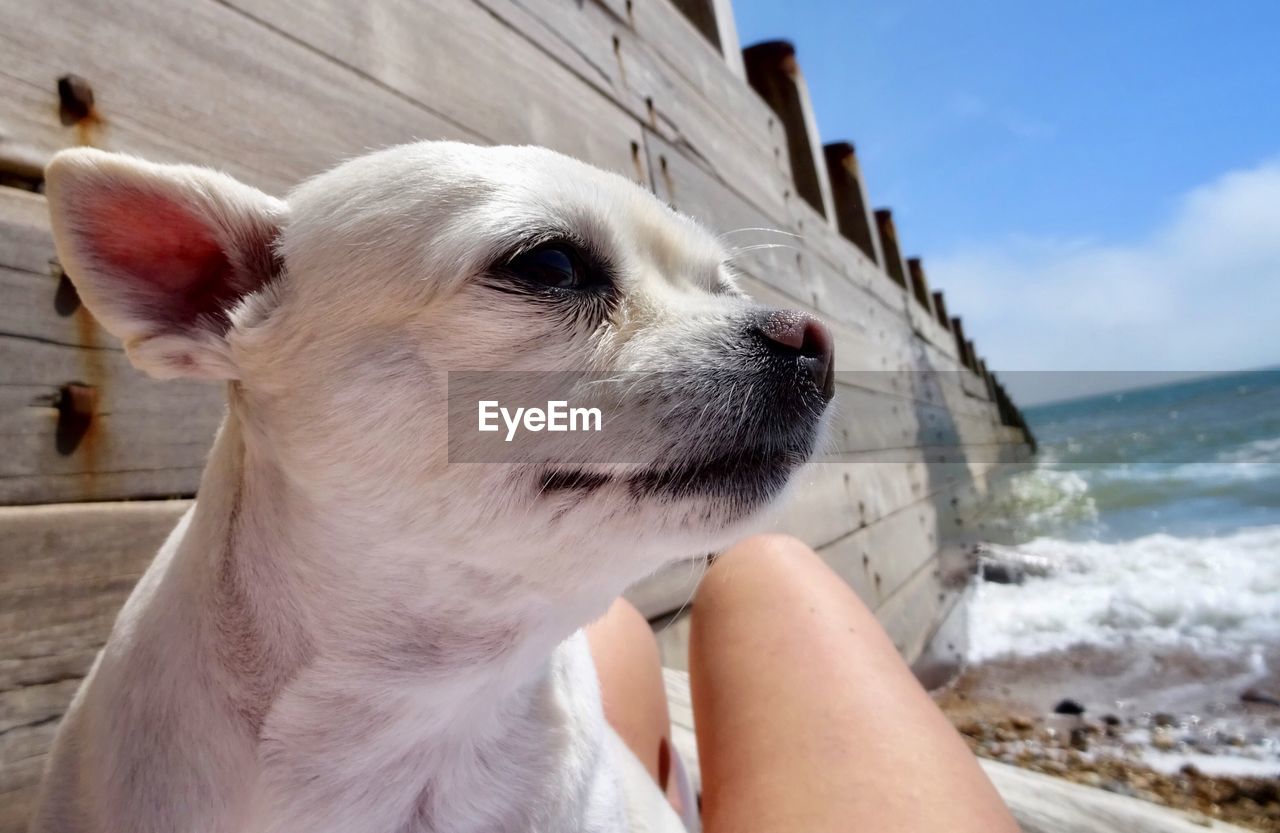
1096,185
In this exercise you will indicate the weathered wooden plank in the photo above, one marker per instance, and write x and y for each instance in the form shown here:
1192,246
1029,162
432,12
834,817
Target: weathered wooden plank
703,128
142,438
823,504
22,753
696,192
64,573
1045,804
878,558
526,98
717,74
702,14
205,84
914,612
936,529
839,256
666,81
579,37
840,293
26,243
869,420
934,334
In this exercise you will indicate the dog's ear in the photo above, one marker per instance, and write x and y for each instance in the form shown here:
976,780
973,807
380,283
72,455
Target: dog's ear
162,254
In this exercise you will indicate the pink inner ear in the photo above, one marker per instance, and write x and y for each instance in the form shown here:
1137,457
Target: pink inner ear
168,258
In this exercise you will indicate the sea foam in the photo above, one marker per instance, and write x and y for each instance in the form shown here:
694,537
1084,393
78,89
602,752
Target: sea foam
1209,594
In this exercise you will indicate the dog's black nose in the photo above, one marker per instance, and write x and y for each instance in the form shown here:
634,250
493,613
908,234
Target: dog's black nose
808,340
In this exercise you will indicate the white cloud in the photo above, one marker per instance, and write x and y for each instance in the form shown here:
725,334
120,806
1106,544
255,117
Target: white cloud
1200,293
974,108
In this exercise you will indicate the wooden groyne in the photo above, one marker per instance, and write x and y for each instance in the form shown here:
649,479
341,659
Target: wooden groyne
273,91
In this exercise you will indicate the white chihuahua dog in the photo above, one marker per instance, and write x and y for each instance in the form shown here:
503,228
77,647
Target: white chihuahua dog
351,631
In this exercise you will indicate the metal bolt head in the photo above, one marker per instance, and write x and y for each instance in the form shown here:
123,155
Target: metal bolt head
75,99
76,405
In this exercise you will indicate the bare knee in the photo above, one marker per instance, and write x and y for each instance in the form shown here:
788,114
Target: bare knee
770,564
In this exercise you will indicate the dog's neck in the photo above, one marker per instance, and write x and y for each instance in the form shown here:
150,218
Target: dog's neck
290,582
427,692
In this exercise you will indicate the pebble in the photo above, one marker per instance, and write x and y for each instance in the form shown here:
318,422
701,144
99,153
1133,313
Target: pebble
997,573
1068,706
1260,697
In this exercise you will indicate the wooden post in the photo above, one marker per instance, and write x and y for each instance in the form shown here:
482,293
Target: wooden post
986,377
775,75
957,330
920,283
940,309
714,19
889,243
1008,414
1002,402
849,199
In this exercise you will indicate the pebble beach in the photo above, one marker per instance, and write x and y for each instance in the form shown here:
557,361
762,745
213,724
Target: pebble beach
1207,749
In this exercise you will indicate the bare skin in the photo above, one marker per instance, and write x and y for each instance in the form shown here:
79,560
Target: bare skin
807,717
635,701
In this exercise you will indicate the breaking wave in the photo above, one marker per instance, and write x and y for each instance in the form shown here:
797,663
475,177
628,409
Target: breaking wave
1210,594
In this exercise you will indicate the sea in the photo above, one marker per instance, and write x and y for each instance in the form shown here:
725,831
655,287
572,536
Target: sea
1148,527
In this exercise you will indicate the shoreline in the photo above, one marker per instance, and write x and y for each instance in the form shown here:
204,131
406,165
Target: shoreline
1197,733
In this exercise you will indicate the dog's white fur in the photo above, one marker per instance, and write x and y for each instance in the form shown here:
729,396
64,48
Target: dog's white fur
347,633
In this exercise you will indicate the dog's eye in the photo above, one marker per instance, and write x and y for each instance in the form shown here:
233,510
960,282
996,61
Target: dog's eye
554,264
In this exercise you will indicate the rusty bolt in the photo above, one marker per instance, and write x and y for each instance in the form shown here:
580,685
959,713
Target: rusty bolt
75,99
76,405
